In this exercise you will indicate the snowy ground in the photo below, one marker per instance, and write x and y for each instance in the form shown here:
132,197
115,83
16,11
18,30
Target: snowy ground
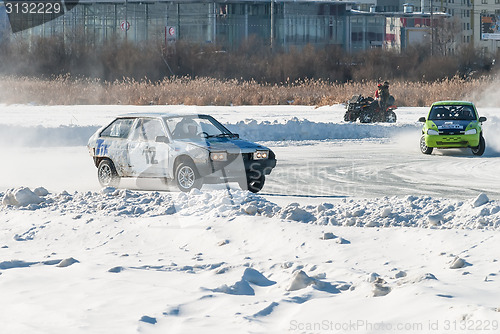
355,231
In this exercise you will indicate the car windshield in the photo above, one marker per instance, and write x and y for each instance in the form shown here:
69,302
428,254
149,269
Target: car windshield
195,127
452,112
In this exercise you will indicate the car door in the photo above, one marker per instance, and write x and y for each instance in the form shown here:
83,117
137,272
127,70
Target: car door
147,157
112,143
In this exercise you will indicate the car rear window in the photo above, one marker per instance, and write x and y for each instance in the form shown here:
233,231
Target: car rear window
120,128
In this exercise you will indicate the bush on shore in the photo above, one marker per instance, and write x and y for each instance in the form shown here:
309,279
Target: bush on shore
58,70
65,90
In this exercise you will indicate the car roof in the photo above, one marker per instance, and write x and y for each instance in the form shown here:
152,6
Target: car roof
158,115
453,103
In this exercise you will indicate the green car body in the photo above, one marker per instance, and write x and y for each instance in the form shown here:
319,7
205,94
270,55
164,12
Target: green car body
452,124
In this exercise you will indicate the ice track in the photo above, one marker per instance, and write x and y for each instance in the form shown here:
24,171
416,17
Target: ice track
318,154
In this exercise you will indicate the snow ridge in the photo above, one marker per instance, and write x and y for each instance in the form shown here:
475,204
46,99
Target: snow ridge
296,130
250,129
410,211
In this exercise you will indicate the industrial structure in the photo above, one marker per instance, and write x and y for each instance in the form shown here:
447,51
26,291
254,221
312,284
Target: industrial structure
354,26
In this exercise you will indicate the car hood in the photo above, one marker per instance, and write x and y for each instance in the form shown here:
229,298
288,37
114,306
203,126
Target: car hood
228,144
449,125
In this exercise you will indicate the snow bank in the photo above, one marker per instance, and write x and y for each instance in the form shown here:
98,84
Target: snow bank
13,135
123,202
20,197
243,287
294,129
410,211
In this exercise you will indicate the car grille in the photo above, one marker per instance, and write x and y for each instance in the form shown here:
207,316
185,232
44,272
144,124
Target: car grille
450,132
234,156
453,141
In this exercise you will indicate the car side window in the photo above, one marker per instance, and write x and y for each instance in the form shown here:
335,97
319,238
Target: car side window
148,129
120,128
468,114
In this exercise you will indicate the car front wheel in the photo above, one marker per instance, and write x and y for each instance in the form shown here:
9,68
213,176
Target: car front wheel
423,146
107,175
186,177
479,150
254,182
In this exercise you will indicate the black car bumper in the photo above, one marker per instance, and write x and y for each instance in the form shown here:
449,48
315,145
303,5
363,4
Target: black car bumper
237,167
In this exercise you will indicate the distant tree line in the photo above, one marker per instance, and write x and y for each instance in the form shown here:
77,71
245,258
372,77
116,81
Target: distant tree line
115,59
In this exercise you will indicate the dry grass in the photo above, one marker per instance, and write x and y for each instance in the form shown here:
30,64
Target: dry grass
64,90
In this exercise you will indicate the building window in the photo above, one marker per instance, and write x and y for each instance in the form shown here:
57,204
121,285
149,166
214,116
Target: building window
484,2
468,26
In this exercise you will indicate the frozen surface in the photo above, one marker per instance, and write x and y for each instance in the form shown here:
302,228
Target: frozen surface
318,153
355,231
124,261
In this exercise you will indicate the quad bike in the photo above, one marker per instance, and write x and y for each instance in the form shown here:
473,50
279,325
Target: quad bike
368,110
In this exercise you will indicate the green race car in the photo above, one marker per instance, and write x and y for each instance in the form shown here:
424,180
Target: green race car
452,124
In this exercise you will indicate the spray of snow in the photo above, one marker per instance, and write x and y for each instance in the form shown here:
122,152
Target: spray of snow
489,97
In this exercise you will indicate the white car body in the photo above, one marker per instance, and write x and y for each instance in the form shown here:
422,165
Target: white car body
152,145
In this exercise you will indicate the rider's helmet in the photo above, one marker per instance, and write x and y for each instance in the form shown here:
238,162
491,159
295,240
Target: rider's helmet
190,128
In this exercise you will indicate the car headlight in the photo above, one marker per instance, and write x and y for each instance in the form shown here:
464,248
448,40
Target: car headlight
218,156
259,155
471,132
432,132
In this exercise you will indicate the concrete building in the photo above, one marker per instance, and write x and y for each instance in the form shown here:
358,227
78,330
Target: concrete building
281,23
292,23
464,28
485,25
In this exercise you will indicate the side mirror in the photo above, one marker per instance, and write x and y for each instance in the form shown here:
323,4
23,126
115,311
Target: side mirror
482,119
235,135
162,139
421,119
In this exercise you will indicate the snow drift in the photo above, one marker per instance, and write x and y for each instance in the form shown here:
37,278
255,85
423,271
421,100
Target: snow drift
295,129
410,211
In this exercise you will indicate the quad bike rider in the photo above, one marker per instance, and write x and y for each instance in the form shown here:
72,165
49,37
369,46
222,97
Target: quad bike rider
380,109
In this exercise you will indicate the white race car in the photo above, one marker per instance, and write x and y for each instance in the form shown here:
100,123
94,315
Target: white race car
189,149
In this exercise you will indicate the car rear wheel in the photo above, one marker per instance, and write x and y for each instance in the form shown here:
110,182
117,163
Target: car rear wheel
423,147
186,177
107,175
479,150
